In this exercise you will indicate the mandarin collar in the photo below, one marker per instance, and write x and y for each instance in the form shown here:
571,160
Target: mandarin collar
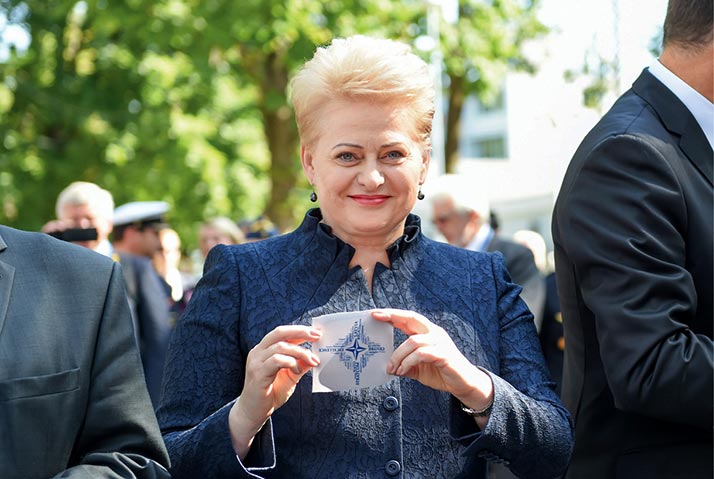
327,240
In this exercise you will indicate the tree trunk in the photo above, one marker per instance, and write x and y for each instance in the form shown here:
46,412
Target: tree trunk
281,136
453,123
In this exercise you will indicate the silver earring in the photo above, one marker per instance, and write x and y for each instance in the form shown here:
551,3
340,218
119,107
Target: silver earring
313,197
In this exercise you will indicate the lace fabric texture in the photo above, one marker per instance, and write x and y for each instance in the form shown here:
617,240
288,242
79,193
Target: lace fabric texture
250,289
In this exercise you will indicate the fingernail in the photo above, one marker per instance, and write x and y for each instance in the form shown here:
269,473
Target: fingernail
315,333
400,371
390,368
314,360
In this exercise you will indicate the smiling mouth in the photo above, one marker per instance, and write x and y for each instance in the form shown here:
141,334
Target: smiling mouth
370,199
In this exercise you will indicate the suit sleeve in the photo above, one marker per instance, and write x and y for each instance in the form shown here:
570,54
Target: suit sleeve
529,429
624,229
204,376
120,437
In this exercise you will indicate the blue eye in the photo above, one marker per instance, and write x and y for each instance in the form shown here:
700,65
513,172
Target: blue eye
346,156
394,155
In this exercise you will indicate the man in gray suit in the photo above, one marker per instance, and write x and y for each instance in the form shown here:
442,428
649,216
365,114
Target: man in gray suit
462,217
73,402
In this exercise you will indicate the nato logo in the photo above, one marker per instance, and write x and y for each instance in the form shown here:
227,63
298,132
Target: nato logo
355,350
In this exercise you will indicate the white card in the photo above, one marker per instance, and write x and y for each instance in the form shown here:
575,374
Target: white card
354,350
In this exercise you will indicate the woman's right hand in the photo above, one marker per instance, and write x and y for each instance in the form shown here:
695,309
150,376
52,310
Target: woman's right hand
273,368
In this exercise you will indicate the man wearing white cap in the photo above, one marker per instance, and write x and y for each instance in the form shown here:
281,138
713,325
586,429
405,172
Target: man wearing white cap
136,227
136,239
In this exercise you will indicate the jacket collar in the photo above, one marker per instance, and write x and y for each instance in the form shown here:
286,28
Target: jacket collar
327,240
678,120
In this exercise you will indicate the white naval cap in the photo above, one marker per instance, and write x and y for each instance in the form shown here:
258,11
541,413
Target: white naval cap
140,212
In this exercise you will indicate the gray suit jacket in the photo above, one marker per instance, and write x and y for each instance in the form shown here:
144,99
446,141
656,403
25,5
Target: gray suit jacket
524,272
73,401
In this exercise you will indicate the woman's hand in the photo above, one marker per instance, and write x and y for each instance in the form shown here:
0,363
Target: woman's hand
273,368
431,357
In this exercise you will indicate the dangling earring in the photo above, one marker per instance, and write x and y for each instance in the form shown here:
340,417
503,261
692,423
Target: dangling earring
313,196
420,195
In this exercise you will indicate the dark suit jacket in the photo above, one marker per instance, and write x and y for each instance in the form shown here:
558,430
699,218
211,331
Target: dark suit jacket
72,397
149,305
633,247
551,332
524,272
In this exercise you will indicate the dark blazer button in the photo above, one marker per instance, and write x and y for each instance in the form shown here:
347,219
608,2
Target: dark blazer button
392,468
390,403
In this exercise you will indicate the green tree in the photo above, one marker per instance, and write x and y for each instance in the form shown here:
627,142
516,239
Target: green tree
107,93
484,43
186,100
273,38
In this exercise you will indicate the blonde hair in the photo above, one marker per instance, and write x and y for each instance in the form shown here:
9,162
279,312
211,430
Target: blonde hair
227,227
364,69
81,193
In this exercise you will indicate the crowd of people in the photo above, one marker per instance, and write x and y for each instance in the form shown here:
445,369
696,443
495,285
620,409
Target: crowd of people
122,362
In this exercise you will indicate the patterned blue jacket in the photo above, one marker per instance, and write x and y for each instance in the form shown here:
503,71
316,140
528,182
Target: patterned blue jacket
402,429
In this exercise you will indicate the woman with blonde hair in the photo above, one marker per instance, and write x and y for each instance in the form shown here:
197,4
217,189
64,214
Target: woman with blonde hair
467,380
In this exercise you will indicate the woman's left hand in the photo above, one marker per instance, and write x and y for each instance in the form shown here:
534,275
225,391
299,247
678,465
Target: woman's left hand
430,356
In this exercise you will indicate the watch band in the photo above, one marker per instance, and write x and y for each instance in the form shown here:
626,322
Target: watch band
474,413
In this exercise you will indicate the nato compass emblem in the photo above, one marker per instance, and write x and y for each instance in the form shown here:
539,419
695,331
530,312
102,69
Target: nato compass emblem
355,349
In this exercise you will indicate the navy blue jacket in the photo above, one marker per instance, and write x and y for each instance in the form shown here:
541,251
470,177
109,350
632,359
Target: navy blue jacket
634,249
247,290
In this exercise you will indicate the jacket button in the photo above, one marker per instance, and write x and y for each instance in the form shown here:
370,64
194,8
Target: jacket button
392,468
390,403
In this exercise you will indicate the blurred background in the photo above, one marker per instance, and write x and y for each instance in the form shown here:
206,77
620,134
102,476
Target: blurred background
185,101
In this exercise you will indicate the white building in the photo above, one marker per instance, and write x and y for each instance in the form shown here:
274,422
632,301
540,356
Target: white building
517,150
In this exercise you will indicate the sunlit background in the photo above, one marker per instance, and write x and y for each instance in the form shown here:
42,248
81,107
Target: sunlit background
185,102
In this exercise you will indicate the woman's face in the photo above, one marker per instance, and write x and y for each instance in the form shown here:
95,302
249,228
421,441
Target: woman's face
208,237
366,166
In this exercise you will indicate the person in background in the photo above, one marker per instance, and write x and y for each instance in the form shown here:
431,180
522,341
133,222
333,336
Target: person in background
167,263
218,230
83,205
551,331
137,225
213,231
535,243
461,216
552,338
468,382
258,229
633,238
136,240
90,208
73,402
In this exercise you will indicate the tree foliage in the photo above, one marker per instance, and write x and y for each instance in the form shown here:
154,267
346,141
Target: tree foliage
486,41
186,100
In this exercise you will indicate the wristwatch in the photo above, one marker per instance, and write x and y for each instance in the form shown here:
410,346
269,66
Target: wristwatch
474,413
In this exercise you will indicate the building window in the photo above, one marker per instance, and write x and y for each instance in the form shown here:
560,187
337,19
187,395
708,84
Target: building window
493,147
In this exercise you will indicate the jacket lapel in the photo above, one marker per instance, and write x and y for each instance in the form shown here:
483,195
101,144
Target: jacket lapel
678,120
7,274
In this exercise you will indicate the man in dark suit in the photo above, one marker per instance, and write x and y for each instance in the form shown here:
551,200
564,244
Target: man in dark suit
463,219
136,240
72,396
633,250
